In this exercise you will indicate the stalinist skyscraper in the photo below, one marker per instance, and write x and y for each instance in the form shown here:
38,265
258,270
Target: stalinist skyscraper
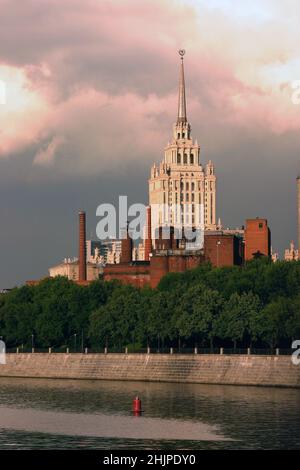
184,190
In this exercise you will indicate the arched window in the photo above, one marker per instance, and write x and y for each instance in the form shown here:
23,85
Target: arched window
193,186
187,186
185,159
178,158
192,159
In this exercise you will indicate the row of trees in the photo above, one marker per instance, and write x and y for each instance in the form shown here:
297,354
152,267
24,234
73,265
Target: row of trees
256,305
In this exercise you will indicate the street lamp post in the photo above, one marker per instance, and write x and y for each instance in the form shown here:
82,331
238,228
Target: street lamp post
218,244
32,342
75,345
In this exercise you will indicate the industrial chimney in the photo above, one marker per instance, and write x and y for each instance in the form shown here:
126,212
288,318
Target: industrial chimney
126,254
148,235
82,247
298,207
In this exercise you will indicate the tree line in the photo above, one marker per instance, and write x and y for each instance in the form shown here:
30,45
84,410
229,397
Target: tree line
257,305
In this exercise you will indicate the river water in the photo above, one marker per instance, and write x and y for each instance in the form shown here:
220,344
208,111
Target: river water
69,414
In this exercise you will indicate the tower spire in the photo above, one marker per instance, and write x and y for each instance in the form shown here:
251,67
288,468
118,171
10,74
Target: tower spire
181,117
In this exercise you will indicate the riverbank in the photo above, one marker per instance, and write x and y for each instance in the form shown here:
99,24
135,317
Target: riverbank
274,371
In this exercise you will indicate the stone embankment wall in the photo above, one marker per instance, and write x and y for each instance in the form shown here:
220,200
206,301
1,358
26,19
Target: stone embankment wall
193,368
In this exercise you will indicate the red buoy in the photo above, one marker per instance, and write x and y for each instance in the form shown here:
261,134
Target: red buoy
137,406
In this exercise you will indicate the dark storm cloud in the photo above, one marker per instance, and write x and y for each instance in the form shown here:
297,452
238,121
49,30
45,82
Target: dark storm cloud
97,99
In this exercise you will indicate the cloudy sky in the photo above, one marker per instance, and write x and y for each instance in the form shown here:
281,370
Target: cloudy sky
91,91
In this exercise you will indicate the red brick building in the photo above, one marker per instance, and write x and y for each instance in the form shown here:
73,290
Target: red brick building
136,273
223,249
257,238
164,262
170,255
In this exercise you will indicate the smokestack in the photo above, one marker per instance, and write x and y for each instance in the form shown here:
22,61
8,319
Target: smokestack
148,235
298,207
82,246
126,254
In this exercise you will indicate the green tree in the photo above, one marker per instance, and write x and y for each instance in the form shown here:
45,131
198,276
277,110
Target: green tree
159,316
17,323
238,318
272,322
292,322
116,321
207,304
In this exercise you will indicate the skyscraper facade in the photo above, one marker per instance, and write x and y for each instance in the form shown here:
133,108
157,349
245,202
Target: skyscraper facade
181,191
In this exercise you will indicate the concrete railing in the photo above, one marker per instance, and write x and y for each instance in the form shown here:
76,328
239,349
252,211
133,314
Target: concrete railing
171,350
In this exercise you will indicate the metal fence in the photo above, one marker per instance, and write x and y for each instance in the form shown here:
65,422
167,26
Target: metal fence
171,350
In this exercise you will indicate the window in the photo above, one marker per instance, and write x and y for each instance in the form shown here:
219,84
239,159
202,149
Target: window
187,186
185,159
193,186
192,159
187,197
183,135
178,135
193,197
178,158
260,225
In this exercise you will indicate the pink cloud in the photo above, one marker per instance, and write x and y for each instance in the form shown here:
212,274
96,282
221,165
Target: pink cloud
101,79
